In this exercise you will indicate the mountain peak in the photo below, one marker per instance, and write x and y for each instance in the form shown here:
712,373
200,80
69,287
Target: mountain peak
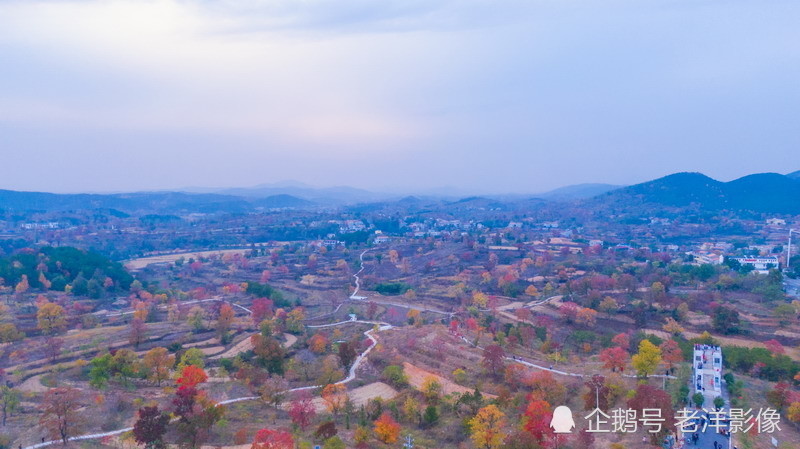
760,192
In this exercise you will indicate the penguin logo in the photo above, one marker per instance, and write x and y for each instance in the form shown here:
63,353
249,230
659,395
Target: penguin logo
562,421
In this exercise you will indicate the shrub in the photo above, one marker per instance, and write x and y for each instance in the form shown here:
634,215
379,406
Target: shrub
392,288
395,375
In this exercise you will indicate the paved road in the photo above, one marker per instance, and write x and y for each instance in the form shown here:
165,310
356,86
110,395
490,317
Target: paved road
707,438
357,279
792,287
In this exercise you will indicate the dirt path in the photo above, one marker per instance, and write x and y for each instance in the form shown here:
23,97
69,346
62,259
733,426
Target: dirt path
208,342
361,395
290,340
212,350
417,376
243,346
246,345
33,385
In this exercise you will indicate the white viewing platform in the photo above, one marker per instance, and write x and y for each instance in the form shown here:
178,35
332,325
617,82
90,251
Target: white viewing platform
707,368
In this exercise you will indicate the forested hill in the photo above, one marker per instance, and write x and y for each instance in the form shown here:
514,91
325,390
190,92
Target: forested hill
144,202
84,272
763,192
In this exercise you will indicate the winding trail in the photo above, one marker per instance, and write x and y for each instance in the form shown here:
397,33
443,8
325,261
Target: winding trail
377,327
381,326
354,295
357,298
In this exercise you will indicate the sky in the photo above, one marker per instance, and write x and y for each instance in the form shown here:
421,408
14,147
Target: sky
483,96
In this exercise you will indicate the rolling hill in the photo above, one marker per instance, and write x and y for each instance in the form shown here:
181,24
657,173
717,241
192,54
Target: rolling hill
144,202
763,192
281,201
577,192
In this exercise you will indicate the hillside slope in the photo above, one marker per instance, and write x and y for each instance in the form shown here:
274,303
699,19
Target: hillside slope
763,192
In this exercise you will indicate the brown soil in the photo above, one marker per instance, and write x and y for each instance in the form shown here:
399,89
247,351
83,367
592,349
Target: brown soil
361,395
417,376
33,385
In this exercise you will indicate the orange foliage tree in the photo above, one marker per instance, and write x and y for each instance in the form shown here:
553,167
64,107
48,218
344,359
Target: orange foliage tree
671,353
191,376
318,343
225,320
387,430
335,396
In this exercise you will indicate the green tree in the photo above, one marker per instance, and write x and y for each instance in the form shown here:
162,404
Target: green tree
195,319
269,353
725,320
431,416
192,356
784,313
698,399
125,365
395,375
9,401
100,371
80,286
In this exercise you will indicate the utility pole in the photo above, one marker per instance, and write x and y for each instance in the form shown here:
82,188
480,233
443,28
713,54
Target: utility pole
597,396
789,250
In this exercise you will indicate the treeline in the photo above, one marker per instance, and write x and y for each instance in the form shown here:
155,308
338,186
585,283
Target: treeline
760,362
60,268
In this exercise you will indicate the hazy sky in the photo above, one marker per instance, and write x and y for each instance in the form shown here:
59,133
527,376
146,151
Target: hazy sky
484,95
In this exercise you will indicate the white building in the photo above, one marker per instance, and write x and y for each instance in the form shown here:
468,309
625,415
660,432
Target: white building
705,257
760,264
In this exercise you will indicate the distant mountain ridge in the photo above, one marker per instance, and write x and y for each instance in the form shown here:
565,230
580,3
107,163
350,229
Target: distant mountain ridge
577,191
328,195
145,202
762,192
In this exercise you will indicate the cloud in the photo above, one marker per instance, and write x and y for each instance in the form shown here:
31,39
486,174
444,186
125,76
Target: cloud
173,71
516,92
